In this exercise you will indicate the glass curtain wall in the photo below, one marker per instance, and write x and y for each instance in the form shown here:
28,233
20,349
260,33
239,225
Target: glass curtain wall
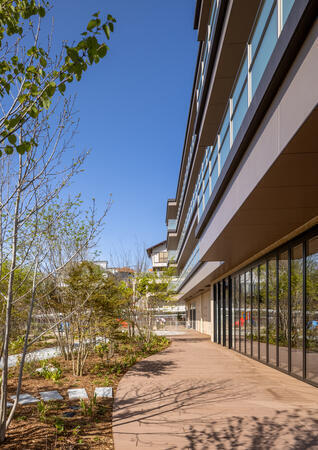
271,313
312,309
283,315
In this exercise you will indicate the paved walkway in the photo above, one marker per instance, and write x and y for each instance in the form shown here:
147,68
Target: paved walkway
199,395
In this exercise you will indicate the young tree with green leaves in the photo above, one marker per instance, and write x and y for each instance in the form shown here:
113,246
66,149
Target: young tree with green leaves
36,128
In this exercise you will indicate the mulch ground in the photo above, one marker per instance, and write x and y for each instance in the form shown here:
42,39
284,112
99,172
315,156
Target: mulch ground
52,429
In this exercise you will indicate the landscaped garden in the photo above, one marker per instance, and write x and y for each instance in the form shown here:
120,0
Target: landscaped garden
74,423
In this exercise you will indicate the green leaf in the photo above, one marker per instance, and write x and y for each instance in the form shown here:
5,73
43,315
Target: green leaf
106,30
8,149
23,98
91,24
111,26
102,50
34,112
12,139
62,88
43,61
41,11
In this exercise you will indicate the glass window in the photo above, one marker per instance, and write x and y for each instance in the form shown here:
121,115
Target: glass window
255,312
227,312
283,311
243,314
272,311
225,147
264,52
262,301
236,313
221,313
312,310
296,281
248,314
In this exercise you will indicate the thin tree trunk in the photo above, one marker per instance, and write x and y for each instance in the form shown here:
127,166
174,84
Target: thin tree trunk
4,383
25,348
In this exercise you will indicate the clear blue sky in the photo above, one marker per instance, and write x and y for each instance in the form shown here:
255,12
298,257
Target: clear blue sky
133,110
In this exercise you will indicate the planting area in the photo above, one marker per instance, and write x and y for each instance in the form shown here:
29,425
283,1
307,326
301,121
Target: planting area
72,424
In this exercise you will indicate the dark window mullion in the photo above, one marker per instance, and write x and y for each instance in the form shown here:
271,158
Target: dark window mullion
259,312
304,307
277,309
289,309
267,319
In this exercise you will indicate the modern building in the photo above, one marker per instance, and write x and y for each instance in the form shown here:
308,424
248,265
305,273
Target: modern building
243,226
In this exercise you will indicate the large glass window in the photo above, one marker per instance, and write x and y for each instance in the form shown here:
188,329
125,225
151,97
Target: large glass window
296,286
262,302
283,320
236,313
248,315
312,310
272,311
221,313
226,312
255,311
243,314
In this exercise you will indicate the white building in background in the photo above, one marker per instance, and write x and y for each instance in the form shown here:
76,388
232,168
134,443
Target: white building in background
159,256
173,313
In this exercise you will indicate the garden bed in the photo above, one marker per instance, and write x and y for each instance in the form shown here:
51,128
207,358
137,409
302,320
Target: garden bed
73,424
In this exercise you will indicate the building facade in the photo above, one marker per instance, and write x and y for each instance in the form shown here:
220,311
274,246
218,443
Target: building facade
243,227
174,314
159,256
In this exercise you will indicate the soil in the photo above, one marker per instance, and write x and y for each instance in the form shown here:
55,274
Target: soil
53,430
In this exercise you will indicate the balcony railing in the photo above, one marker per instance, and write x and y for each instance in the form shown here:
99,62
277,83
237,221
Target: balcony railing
207,48
267,28
172,225
191,263
186,174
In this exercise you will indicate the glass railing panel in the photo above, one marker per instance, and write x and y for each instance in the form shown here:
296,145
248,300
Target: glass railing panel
264,52
287,6
241,80
261,23
224,126
225,147
172,224
240,111
214,175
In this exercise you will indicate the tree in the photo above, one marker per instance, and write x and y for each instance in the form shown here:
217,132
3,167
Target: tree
29,76
149,291
35,131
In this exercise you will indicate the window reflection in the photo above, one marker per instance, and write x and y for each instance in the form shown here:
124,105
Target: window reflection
312,310
248,314
272,310
283,311
296,282
255,311
262,299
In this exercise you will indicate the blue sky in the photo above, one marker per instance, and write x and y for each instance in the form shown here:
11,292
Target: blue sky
133,110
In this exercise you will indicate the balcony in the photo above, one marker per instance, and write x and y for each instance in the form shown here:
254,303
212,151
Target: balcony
270,21
191,263
172,225
207,49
